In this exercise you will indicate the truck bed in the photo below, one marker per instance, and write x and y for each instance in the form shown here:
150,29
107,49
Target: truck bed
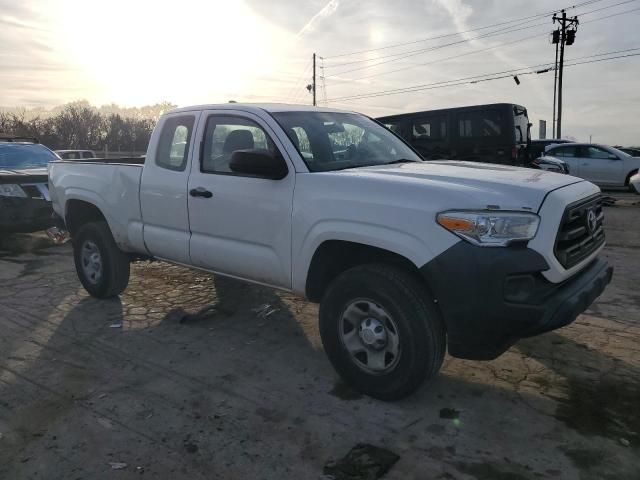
111,185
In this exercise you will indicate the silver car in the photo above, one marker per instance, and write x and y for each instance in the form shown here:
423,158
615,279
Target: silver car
603,165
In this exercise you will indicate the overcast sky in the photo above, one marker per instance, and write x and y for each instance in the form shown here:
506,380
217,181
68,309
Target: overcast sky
138,52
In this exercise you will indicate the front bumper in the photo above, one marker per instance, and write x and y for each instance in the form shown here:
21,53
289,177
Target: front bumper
25,215
492,297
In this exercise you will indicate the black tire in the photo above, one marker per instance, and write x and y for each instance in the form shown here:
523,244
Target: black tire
421,333
115,264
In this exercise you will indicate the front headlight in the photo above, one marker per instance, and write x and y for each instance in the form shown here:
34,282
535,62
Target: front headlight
490,228
11,190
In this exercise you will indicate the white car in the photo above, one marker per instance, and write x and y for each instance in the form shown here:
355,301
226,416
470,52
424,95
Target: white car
407,258
603,165
76,154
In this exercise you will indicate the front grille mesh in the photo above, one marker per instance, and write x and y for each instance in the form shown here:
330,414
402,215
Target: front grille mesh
576,239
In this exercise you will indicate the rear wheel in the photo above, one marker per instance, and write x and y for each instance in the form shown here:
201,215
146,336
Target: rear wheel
103,269
381,331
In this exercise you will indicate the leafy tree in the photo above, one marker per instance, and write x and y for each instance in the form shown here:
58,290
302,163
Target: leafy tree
78,125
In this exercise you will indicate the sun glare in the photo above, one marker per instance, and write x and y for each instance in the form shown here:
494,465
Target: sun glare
376,34
144,51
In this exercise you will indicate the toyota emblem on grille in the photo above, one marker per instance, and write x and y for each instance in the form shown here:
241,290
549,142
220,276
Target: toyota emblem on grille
592,222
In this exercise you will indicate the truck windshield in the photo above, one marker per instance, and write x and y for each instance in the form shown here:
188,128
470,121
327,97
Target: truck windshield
17,156
335,141
521,122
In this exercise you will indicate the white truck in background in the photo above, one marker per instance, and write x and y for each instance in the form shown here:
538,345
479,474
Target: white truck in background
407,258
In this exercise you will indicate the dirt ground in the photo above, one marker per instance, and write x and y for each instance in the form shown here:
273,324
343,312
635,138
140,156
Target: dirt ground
140,388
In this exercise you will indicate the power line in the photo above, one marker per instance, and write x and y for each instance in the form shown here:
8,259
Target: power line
425,85
540,15
442,59
612,15
298,80
406,54
413,53
410,53
486,49
322,82
493,76
607,7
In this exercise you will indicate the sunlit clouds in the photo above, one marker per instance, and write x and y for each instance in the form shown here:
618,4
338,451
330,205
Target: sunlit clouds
141,52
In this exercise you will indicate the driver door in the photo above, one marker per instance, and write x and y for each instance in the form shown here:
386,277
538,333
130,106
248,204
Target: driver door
240,225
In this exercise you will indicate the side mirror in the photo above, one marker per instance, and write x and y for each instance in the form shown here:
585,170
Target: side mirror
258,163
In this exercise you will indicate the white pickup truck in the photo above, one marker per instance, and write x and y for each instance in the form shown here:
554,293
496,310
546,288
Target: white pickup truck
407,258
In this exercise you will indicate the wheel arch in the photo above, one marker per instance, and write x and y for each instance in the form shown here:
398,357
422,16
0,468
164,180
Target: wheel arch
80,212
333,257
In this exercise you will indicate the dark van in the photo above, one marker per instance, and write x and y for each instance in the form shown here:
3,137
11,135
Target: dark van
495,133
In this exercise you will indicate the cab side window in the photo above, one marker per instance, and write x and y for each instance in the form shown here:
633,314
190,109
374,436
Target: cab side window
173,146
227,134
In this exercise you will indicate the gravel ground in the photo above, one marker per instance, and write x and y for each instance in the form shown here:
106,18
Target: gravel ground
189,376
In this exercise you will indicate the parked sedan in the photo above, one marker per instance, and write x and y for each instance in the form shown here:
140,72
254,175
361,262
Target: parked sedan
600,164
536,148
25,205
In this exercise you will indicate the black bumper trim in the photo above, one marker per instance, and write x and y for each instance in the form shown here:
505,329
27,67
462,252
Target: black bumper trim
492,297
25,215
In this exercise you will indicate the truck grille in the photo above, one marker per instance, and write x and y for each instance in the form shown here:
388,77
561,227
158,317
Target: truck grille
581,231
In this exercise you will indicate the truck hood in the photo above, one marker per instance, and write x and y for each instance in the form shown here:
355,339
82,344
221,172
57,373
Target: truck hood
501,186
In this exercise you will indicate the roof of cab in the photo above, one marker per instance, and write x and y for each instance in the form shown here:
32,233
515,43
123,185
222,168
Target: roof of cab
256,108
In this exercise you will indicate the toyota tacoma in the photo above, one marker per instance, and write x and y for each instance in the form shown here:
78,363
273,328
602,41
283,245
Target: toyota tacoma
407,258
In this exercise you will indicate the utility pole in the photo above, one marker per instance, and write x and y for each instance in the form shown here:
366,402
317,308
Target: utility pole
312,86
314,79
567,37
556,40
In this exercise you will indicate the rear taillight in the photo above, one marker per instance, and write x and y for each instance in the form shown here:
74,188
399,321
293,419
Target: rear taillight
514,153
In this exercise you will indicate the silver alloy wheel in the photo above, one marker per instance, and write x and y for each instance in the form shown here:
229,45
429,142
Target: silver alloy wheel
370,336
91,261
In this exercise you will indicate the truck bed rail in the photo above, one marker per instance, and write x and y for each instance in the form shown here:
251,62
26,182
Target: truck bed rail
121,160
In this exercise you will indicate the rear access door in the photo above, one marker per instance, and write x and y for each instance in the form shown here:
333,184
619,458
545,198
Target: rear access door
163,188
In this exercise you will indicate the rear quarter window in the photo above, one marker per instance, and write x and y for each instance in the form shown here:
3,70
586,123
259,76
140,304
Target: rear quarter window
173,146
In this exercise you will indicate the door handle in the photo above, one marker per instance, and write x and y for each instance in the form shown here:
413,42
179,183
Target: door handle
200,192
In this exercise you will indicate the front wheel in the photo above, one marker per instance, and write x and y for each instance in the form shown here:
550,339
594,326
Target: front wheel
103,269
381,331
